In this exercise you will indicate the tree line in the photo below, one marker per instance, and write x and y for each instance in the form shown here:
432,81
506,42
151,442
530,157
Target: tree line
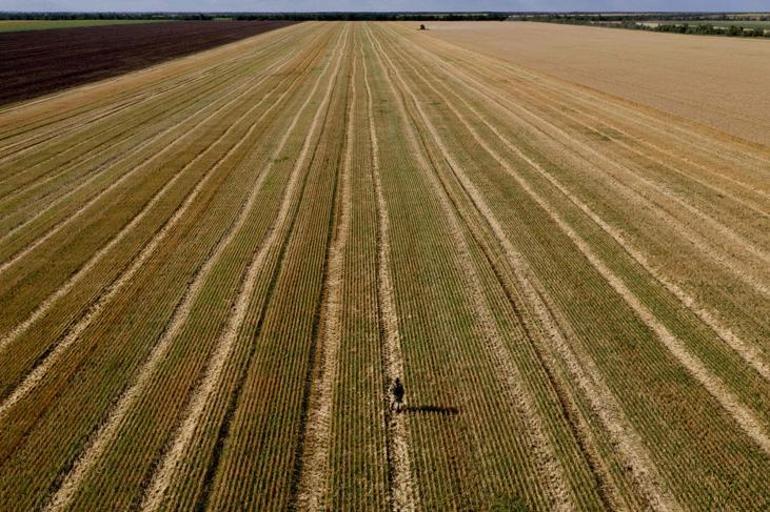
682,23
679,23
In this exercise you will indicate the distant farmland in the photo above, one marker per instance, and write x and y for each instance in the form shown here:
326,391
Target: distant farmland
695,79
23,25
212,270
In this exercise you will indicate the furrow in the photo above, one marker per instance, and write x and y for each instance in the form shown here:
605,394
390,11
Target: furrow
114,109
76,127
314,478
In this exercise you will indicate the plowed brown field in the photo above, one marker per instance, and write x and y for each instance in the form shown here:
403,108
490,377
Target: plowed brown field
211,270
39,62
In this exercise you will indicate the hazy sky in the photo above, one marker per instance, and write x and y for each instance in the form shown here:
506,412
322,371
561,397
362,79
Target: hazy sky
382,5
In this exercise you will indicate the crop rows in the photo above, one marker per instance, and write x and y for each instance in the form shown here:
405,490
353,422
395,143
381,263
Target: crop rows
212,270
703,337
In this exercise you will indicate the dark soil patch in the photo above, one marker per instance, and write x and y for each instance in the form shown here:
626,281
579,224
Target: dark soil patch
40,62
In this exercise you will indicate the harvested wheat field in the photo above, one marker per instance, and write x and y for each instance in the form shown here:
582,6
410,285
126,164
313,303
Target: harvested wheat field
212,269
717,82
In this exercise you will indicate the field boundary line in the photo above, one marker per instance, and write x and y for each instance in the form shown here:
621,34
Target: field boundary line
404,494
205,78
164,474
170,83
97,171
507,369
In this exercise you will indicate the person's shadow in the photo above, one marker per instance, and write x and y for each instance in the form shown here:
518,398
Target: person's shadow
430,409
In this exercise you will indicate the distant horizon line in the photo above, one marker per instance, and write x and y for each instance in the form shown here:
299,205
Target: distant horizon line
381,12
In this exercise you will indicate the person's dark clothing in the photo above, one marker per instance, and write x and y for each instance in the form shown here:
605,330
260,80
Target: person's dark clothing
398,391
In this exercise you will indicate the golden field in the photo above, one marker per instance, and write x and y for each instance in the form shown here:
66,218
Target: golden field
714,82
212,269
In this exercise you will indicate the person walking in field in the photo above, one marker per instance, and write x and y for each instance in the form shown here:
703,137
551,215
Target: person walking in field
397,390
